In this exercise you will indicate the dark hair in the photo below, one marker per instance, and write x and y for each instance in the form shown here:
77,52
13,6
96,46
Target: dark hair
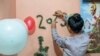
76,22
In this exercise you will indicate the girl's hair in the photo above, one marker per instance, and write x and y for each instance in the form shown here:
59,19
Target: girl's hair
76,22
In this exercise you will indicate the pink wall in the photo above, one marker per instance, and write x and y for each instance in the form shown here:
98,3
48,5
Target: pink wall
24,8
32,8
7,8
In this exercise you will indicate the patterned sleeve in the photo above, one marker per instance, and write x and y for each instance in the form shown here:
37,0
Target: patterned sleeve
59,40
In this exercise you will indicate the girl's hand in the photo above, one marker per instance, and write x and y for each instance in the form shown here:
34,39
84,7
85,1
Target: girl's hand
59,14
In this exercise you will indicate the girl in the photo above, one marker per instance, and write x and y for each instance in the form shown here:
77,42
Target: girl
76,44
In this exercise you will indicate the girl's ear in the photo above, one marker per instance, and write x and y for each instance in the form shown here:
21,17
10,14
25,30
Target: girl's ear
69,29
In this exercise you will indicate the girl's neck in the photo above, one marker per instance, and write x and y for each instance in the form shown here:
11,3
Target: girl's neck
74,34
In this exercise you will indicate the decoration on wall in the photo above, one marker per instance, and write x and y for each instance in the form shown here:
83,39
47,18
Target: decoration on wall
49,20
42,51
40,24
55,19
86,15
94,45
87,1
30,22
92,24
13,36
63,25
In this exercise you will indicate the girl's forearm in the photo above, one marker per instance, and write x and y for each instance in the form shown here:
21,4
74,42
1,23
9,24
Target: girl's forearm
53,25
